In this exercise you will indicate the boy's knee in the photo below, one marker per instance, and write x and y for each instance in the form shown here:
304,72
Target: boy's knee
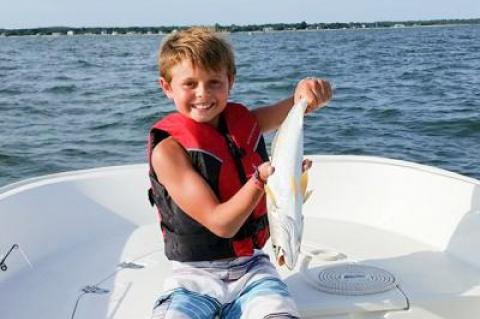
183,304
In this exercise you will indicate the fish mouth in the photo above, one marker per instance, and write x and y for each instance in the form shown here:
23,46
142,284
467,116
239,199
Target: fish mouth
283,260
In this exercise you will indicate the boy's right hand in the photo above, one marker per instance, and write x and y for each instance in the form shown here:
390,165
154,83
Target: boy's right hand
317,92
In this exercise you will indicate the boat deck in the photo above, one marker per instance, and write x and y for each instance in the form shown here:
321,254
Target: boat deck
123,275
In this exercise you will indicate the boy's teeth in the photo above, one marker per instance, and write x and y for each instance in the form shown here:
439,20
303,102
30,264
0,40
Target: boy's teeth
202,106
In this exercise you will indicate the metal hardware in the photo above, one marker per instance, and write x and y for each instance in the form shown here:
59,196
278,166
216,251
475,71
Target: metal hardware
3,265
130,265
95,290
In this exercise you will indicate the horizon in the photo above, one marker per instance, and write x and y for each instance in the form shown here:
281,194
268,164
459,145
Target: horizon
242,25
27,14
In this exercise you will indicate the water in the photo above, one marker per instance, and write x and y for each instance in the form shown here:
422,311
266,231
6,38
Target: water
70,103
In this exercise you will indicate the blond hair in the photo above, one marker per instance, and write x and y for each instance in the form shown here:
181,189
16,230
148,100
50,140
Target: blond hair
201,46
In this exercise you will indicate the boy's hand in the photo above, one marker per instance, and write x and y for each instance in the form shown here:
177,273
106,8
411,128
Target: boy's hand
265,170
316,91
306,165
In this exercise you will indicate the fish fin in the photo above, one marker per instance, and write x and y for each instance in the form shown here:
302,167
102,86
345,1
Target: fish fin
293,185
307,196
304,184
270,194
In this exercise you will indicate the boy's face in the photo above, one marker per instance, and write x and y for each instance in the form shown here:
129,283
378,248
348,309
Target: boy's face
198,93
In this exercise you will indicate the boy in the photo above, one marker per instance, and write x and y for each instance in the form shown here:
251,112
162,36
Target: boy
208,166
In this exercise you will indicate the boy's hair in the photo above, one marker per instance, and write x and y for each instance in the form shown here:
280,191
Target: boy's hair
201,46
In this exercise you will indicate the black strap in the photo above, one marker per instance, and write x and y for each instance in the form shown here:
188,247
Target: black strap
237,152
251,226
150,197
154,185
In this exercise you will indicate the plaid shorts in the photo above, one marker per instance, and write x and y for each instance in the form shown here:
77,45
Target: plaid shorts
245,287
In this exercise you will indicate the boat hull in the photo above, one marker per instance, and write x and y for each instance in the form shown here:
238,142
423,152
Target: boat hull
95,247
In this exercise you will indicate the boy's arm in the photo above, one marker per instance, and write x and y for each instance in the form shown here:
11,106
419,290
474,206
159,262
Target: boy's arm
194,196
270,117
316,91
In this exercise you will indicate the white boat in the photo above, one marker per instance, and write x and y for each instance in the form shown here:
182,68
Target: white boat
389,239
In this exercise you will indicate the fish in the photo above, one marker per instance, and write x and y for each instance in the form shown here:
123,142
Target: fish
286,188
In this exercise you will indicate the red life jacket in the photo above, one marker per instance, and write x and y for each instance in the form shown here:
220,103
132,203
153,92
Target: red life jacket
226,157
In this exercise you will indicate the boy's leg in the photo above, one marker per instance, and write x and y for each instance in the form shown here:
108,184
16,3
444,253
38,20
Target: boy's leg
265,298
184,304
262,295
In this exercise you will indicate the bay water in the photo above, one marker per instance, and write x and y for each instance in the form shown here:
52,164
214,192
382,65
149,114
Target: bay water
76,102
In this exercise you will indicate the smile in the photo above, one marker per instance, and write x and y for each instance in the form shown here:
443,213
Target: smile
203,106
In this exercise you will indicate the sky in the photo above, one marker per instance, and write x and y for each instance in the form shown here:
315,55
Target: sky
91,13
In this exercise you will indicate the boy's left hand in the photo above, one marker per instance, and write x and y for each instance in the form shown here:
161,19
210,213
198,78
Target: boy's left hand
317,92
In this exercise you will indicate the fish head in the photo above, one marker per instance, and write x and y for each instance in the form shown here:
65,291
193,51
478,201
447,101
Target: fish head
287,246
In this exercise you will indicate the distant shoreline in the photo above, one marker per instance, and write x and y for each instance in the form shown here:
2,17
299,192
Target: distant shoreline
272,27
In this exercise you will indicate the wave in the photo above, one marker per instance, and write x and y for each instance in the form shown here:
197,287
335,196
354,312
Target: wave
385,114
61,89
6,159
87,64
11,91
462,127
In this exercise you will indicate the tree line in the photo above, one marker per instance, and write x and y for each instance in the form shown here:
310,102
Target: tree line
62,30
